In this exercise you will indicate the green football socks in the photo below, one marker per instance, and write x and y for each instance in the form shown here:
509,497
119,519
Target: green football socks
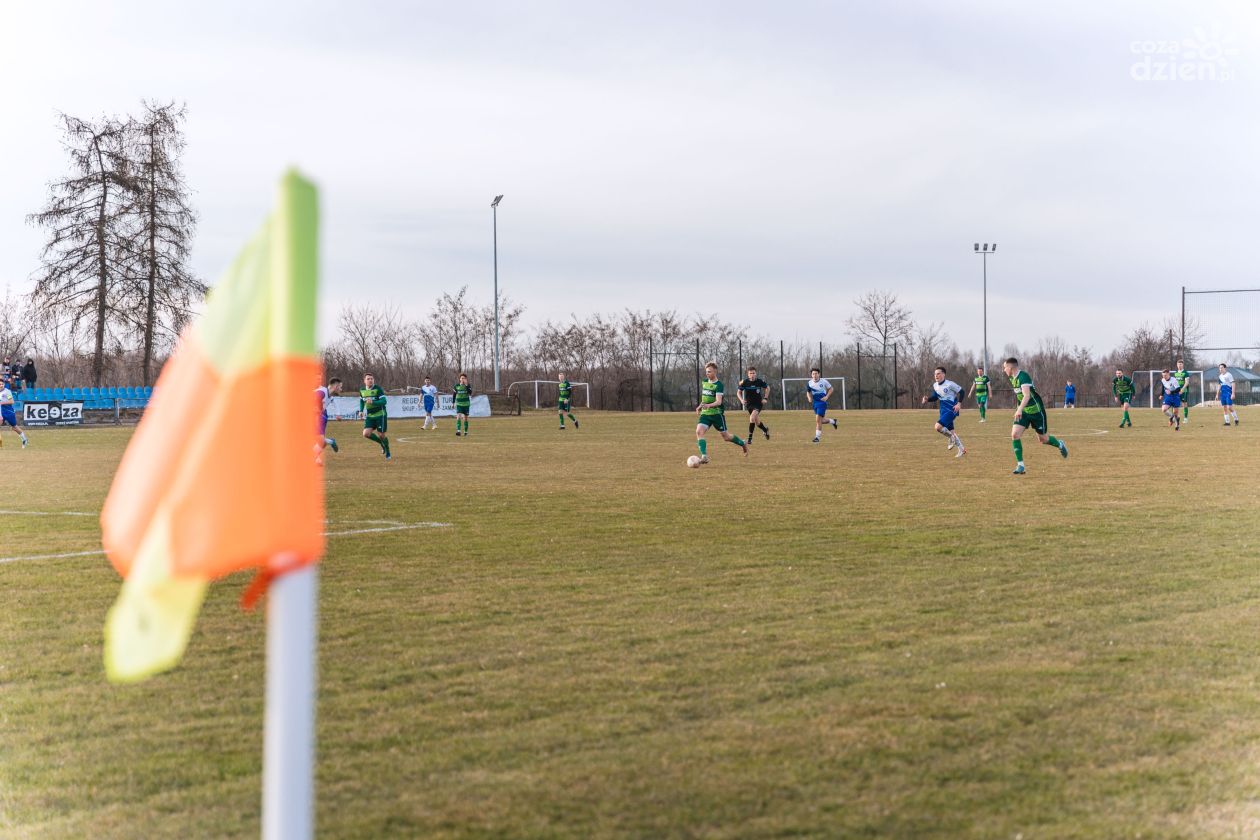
1018,446
1126,418
704,446
1052,441
735,440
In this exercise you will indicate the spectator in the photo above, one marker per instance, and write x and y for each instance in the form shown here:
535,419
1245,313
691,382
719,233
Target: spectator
28,373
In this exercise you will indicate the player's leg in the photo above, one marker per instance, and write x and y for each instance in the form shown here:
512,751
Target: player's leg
730,438
1017,445
1041,427
701,443
765,430
753,414
982,403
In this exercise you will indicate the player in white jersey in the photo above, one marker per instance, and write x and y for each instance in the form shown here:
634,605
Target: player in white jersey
946,393
8,417
1172,399
1227,393
323,401
820,392
429,394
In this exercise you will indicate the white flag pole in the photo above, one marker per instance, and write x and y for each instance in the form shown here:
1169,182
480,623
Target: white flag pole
288,811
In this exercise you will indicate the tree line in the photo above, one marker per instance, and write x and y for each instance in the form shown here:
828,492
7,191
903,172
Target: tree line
115,289
640,360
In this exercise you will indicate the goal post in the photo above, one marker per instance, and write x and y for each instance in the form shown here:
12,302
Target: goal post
1194,374
539,383
842,388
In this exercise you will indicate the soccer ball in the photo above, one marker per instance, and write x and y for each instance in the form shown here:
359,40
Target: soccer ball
693,461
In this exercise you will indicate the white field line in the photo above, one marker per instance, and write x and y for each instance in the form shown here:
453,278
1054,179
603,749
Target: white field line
52,556
383,527
46,513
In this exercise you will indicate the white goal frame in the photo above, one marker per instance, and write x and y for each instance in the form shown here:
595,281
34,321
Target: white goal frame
1151,374
844,396
537,382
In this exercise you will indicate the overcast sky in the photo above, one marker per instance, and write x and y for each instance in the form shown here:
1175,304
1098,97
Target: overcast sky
765,161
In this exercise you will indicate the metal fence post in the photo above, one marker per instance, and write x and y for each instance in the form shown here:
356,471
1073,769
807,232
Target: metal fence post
859,375
894,374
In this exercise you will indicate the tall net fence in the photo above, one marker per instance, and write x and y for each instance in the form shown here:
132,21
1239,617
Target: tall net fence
1221,320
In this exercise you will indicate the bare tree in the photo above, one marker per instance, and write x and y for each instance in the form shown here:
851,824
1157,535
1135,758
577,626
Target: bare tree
880,319
86,216
164,286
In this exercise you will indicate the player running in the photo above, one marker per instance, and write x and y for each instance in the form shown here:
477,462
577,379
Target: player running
1183,380
712,411
1030,413
463,405
1172,400
1069,395
564,404
8,417
1123,389
946,392
752,390
428,395
980,387
1227,393
820,392
372,405
323,398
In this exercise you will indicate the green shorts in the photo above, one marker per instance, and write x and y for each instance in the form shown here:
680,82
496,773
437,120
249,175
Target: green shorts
379,422
1125,398
463,409
564,405
982,399
716,421
1036,422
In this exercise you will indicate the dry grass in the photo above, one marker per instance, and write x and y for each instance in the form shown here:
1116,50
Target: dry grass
864,638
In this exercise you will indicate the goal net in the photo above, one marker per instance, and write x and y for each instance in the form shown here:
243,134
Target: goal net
547,388
1155,392
799,399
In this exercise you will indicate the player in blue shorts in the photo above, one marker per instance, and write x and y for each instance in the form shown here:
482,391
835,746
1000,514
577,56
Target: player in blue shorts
1227,393
323,399
946,392
8,417
1172,400
820,392
429,395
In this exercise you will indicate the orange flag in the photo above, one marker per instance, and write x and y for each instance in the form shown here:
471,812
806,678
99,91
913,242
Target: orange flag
219,475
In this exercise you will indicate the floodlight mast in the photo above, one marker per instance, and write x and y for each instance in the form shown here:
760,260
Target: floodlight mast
984,251
494,209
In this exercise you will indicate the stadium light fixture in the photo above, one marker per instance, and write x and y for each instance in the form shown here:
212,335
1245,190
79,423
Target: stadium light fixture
494,210
983,251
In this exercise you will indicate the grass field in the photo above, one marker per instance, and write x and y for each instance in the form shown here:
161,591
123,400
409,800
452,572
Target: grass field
864,638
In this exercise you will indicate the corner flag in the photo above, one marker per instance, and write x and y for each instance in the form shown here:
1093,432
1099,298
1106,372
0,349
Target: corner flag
219,475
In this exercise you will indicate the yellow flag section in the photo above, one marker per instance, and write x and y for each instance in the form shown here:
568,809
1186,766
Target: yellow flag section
219,475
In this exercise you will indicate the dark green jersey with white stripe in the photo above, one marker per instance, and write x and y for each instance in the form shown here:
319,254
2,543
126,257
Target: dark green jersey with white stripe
1035,403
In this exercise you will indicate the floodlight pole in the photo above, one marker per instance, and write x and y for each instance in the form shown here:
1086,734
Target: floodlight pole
984,261
494,209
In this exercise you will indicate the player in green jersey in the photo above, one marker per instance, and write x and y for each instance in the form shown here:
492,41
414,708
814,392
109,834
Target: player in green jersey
980,387
564,404
1183,382
712,411
463,404
1030,413
375,418
1123,389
